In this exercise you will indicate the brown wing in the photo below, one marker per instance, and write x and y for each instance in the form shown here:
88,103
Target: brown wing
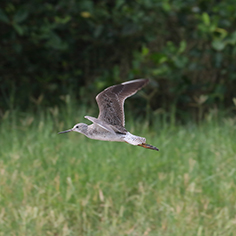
111,101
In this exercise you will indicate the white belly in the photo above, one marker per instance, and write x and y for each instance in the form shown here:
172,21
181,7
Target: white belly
107,136
104,135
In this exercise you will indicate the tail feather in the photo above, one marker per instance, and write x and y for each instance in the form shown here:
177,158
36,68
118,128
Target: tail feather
145,145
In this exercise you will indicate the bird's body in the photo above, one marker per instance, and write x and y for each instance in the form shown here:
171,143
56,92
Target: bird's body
95,132
109,126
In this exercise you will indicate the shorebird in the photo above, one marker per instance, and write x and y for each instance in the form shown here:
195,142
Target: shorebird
110,124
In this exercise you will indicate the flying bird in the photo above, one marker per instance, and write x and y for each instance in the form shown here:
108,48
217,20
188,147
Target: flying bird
110,124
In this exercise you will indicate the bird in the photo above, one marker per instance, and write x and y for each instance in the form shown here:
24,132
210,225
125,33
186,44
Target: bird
110,124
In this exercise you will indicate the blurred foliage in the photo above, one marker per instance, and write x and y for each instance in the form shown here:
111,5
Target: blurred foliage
52,48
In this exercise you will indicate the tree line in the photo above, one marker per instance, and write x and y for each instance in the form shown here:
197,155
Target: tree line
54,48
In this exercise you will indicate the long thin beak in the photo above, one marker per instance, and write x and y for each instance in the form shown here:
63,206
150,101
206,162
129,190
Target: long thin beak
66,131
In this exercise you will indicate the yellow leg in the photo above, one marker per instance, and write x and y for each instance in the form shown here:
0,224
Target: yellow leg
145,145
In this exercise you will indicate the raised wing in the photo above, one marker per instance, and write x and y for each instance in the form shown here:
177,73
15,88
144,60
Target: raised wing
111,101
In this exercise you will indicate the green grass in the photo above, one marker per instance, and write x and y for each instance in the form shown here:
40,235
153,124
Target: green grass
67,184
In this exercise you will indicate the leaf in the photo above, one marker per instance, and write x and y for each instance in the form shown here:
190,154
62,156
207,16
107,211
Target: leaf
218,45
206,18
145,51
85,14
62,20
160,71
3,17
232,39
54,41
98,31
166,6
180,61
20,16
234,101
182,47
159,57
18,29
119,3
223,32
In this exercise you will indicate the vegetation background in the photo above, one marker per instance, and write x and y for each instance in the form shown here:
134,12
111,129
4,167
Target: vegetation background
55,56
54,48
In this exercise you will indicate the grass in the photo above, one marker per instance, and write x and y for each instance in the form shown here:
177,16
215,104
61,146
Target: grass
56,185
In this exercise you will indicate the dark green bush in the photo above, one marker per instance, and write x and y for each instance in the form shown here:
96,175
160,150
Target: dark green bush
187,49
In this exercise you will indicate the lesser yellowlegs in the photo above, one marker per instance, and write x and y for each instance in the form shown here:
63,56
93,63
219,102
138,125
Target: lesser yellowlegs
109,126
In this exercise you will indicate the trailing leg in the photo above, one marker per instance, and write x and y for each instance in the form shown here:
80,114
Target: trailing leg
145,145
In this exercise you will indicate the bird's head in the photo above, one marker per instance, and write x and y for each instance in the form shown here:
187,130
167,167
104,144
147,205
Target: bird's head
80,128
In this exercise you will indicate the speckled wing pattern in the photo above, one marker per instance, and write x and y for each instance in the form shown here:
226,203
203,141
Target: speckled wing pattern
111,101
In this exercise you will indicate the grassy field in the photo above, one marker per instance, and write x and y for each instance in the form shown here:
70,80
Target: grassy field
67,184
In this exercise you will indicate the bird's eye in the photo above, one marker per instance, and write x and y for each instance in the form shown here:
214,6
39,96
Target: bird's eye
77,127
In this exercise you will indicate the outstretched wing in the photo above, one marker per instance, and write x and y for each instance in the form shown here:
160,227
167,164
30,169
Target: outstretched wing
111,101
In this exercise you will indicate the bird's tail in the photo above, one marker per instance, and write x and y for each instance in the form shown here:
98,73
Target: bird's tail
145,145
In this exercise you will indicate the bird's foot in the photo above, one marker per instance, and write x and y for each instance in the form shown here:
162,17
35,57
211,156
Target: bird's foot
145,145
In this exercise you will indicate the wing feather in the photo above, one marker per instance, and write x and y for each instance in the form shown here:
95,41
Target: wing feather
111,101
